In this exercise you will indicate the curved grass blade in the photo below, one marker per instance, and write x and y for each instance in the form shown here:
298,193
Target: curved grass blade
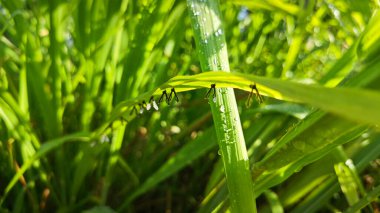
372,195
182,158
44,149
331,186
272,5
274,202
358,105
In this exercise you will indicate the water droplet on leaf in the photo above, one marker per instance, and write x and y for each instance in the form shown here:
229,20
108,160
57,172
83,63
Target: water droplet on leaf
221,108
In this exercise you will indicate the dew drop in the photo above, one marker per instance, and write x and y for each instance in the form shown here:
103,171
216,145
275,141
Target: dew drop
214,99
219,152
221,108
141,110
218,32
215,61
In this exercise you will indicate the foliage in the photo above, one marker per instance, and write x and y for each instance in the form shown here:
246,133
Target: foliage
71,73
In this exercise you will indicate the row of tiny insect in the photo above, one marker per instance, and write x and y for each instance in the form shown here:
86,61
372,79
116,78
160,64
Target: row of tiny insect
248,103
173,94
152,102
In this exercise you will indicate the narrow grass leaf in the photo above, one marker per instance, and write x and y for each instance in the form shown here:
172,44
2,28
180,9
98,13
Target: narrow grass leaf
183,157
329,187
272,5
274,202
347,183
374,194
44,149
358,105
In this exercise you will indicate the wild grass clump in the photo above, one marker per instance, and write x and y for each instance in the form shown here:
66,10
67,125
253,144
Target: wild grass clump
102,106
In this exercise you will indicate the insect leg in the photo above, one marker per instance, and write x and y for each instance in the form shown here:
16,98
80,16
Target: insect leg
175,95
162,96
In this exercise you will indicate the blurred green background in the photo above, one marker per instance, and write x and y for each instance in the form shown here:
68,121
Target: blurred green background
65,65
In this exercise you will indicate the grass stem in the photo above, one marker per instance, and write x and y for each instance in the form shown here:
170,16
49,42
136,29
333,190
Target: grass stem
212,53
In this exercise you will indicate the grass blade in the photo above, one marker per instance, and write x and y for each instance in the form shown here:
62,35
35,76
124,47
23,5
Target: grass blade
371,196
212,53
188,153
363,109
44,149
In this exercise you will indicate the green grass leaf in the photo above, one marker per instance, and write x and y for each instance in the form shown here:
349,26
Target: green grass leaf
183,157
358,105
42,151
272,5
371,196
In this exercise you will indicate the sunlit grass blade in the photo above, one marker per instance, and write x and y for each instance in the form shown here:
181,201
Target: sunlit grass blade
276,6
71,73
330,186
335,100
271,171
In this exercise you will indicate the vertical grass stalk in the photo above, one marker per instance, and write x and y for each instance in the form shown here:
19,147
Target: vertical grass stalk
212,52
